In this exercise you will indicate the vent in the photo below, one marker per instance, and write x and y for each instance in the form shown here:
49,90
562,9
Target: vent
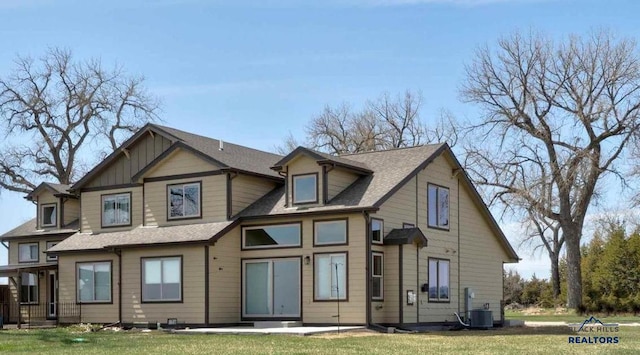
221,147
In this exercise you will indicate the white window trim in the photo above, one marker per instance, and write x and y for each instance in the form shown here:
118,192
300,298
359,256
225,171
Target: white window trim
93,264
438,224
381,231
438,261
115,196
143,278
184,216
381,276
245,229
346,278
316,224
55,214
315,190
20,260
50,245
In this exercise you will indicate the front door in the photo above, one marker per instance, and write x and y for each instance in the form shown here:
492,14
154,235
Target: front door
271,288
52,294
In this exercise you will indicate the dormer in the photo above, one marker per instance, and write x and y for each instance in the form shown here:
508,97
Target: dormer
313,178
56,207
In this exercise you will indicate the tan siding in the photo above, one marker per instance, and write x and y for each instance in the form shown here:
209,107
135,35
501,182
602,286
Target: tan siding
123,168
224,285
91,313
91,213
246,190
214,196
391,282
71,211
180,162
190,310
304,165
409,282
337,180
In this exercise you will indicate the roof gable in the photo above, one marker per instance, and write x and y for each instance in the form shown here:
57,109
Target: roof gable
55,189
322,159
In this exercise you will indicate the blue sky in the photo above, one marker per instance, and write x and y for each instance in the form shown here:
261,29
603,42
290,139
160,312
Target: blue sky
250,71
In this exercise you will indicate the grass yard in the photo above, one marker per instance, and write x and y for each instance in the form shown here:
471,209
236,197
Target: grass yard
503,341
562,315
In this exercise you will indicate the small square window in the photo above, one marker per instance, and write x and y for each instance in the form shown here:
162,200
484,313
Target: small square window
305,188
48,215
51,257
438,206
28,252
184,201
377,229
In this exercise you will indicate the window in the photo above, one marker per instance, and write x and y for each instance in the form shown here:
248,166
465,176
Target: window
29,288
274,236
48,215
438,208
28,252
377,271
377,228
408,225
438,280
51,257
305,188
116,210
94,282
162,279
330,232
330,277
184,201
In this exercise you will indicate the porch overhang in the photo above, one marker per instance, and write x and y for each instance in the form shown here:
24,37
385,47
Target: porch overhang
406,236
16,269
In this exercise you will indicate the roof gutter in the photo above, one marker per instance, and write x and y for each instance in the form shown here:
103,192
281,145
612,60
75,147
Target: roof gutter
367,221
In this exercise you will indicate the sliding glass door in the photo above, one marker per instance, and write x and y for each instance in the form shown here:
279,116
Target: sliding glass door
271,288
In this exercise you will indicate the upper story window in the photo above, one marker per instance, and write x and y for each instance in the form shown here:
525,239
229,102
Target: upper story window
377,229
305,188
330,232
438,208
271,236
184,200
48,215
28,252
116,210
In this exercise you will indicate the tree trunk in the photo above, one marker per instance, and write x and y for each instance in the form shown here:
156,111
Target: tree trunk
574,270
555,276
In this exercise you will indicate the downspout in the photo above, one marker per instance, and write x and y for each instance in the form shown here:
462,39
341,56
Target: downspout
401,286
118,252
206,285
285,175
367,220
459,287
230,177
61,212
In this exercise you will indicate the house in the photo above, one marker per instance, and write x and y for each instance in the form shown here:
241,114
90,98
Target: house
176,226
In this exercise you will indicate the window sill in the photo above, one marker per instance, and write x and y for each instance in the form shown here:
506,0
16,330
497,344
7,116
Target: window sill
439,301
439,228
161,301
93,302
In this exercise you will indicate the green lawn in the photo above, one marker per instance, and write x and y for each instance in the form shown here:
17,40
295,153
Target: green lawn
549,315
510,341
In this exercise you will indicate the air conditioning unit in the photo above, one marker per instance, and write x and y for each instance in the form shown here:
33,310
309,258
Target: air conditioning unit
481,318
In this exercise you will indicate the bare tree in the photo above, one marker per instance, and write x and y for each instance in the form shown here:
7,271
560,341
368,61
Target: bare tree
385,123
559,114
53,108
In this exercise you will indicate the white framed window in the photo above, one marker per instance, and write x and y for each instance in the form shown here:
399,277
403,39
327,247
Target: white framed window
272,236
408,225
51,257
116,210
29,288
305,188
184,200
377,275
28,252
438,208
377,229
330,277
94,282
438,280
162,279
330,232
48,215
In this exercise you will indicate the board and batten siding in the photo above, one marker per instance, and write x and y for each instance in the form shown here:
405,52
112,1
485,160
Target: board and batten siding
339,179
140,154
67,286
180,162
190,310
304,165
213,201
246,190
352,311
91,213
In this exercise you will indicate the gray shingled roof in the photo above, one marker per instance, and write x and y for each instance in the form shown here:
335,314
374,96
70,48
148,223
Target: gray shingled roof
322,157
233,155
28,229
142,236
390,168
405,236
61,189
